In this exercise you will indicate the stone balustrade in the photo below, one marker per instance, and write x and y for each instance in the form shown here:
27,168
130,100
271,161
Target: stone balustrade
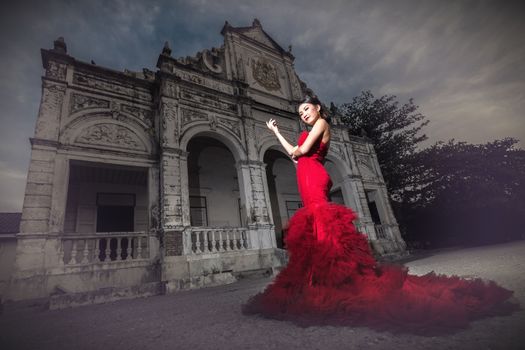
217,240
106,247
382,231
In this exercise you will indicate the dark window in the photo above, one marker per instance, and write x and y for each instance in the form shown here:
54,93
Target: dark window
337,197
292,206
198,211
373,210
115,212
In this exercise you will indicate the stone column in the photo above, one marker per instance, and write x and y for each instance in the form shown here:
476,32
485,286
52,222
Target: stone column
173,218
154,211
257,202
366,218
59,194
39,243
350,193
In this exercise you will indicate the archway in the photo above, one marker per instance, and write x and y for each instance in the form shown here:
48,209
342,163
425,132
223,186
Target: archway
283,192
341,191
213,184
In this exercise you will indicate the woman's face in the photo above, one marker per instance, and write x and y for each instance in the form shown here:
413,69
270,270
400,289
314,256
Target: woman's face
309,113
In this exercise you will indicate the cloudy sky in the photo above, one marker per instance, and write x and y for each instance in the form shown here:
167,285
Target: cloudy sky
463,62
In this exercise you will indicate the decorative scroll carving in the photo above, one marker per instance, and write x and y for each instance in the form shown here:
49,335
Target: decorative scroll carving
54,87
231,125
169,112
266,74
142,114
53,96
204,99
56,70
339,150
115,109
80,102
206,61
170,89
189,115
111,135
197,79
207,58
359,147
366,166
213,122
111,86
50,109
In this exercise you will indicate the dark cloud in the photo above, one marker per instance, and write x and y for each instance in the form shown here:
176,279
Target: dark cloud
461,61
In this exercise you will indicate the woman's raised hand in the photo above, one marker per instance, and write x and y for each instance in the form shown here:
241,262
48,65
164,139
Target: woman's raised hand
272,125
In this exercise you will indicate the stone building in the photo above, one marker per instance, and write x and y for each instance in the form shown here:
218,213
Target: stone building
149,182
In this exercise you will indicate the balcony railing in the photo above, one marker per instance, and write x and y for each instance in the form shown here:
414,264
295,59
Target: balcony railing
216,240
104,247
382,231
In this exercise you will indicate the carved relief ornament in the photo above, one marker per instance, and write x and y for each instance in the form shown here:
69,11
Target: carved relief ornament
265,73
111,135
56,70
80,102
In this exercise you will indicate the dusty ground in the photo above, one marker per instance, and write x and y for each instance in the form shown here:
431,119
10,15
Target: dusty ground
211,318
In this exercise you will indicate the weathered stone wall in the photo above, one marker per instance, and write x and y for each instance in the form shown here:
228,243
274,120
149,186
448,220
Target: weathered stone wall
147,120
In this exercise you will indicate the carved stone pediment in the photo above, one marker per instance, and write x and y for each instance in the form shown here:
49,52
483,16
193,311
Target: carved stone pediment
257,34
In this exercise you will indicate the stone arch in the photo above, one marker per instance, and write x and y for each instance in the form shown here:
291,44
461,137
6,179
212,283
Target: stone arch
342,191
281,184
213,183
267,144
103,131
342,167
220,134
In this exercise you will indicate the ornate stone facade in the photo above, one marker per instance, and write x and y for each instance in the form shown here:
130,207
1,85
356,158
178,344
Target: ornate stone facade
149,182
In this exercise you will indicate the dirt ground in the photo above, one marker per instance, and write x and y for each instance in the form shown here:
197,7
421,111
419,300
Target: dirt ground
211,318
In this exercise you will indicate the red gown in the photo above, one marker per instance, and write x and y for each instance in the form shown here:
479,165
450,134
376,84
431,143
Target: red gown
332,277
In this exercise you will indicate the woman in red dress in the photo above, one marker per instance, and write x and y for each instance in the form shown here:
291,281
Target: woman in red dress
332,277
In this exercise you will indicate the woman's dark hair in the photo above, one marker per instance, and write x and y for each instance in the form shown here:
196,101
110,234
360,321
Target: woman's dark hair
313,99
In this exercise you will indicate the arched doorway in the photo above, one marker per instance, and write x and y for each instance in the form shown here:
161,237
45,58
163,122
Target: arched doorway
213,184
283,192
340,192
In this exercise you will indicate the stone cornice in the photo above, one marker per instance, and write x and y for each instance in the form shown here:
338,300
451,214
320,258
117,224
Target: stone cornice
43,142
249,162
173,150
83,67
48,55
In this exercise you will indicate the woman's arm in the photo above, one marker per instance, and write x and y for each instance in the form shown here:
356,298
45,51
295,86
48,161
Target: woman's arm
317,131
272,125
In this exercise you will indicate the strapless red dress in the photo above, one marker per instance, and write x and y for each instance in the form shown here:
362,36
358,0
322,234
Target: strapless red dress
332,277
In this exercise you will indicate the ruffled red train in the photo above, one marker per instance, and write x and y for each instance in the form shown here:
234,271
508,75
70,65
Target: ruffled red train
332,277
337,281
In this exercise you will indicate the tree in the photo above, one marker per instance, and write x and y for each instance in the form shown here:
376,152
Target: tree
449,193
393,129
467,194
